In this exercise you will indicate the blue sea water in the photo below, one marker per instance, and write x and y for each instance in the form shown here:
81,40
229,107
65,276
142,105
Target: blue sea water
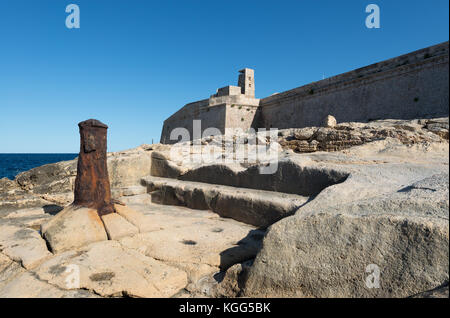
15,163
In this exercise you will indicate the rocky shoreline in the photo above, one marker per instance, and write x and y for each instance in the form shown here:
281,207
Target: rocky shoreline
345,198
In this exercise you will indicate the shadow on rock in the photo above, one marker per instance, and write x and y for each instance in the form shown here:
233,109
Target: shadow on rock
52,209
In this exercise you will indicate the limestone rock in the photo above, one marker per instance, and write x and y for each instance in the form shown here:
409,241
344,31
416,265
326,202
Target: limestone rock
325,249
56,177
141,199
199,243
117,227
31,218
201,279
329,122
333,253
127,168
27,285
304,133
256,207
23,245
20,200
61,199
371,193
233,281
439,292
333,137
7,185
73,227
142,222
128,191
438,126
109,269
8,269
4,262
162,166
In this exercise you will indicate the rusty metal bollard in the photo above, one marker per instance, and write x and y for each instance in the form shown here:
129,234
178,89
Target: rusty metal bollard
92,188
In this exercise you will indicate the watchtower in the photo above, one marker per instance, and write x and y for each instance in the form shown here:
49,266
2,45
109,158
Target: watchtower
247,82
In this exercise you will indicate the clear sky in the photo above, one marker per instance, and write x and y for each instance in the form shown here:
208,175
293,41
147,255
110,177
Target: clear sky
133,63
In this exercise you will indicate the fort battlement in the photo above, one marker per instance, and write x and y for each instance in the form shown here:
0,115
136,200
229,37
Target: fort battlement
414,85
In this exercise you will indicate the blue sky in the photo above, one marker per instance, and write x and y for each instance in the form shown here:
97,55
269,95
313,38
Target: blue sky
133,63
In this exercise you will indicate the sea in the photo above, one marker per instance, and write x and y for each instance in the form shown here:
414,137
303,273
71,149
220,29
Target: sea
13,164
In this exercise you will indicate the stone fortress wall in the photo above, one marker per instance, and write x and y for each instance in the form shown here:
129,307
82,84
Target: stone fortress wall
406,87
414,85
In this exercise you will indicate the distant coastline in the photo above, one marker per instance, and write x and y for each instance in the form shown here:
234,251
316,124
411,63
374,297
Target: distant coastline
11,164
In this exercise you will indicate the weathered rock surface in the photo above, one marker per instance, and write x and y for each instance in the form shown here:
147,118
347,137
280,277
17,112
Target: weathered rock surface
329,122
18,199
371,193
392,213
233,281
336,250
23,245
439,292
8,268
205,242
117,227
72,228
50,178
163,167
27,285
110,270
255,207
142,222
333,137
126,168
198,242
7,185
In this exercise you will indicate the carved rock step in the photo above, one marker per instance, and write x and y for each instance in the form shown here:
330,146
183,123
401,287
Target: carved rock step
255,207
199,242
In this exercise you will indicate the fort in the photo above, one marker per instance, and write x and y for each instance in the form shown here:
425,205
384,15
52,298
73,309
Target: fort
414,85
325,209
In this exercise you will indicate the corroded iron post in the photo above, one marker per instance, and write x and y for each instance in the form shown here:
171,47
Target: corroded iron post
92,188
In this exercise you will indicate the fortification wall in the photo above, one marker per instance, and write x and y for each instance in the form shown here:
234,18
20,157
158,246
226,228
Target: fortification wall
240,116
413,85
210,116
236,111
409,86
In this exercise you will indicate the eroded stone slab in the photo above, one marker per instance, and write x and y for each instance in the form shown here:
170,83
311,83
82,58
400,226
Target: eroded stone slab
212,242
23,245
109,269
141,221
72,228
118,227
8,268
27,285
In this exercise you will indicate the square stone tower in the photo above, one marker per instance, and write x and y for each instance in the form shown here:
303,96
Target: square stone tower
247,82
